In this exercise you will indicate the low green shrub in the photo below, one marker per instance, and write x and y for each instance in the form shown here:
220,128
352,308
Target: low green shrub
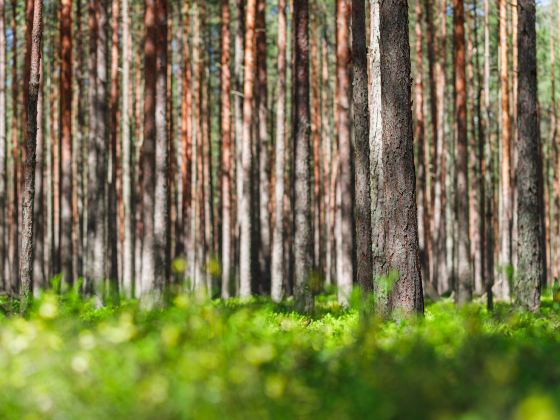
196,358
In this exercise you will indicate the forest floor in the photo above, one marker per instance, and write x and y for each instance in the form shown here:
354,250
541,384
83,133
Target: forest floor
202,359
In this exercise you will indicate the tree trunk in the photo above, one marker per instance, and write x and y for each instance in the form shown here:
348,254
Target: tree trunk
303,235
264,150
345,257
464,286
376,157
226,171
362,209
400,223
3,147
13,210
501,288
245,217
328,161
277,269
488,167
128,272
147,284
440,270
531,268
26,268
422,153
114,120
316,142
66,221
238,121
161,205
39,278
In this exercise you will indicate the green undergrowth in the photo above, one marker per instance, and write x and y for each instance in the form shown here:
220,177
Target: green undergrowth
196,358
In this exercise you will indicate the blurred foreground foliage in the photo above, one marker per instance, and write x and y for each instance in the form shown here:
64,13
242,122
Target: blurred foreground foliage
200,359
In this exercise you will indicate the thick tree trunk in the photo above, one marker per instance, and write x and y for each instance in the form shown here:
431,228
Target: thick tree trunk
345,256
227,169
400,223
277,269
531,268
303,235
26,268
362,209
66,221
464,286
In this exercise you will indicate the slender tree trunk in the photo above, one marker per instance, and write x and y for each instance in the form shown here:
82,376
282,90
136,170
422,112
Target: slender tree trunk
149,149
344,260
26,268
66,221
328,161
197,223
464,286
113,232
238,120
502,287
264,150
362,209
422,152
79,176
161,205
488,167
475,190
480,167
277,269
127,153
376,156
39,225
303,238
187,140
102,135
207,190
226,153
432,154
400,223
531,268
316,141
245,217
13,248
440,223
3,147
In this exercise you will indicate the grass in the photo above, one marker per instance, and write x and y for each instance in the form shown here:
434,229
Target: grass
202,359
